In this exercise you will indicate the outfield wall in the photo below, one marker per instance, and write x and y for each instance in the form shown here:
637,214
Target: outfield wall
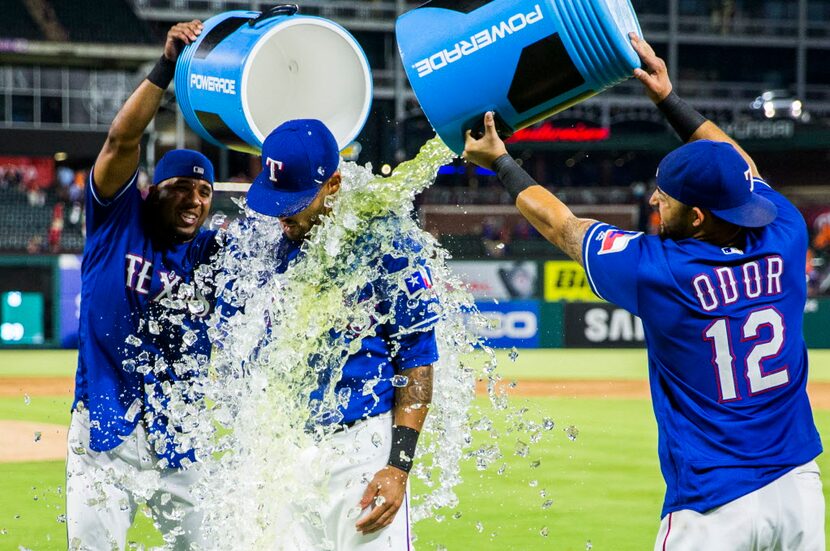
530,305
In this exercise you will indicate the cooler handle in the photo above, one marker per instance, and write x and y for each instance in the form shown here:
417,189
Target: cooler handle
274,11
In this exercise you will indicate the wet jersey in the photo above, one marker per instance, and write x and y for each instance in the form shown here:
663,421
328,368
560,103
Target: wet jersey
137,331
727,360
405,343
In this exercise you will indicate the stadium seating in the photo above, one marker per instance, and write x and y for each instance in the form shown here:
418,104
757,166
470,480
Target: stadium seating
20,223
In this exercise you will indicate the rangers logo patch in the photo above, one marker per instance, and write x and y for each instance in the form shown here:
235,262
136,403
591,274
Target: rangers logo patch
616,241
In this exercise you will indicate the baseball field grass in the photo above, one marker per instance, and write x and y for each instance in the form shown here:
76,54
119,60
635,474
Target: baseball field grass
592,482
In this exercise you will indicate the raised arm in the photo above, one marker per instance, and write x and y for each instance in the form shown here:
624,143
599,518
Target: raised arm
550,216
119,157
686,121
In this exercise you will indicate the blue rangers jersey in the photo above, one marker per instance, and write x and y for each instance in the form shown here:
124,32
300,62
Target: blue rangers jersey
128,295
727,360
405,343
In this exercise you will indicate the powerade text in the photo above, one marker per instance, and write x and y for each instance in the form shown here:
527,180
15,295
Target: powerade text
213,84
478,41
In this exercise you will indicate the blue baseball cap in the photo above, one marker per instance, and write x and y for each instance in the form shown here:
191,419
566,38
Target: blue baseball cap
183,163
297,159
714,176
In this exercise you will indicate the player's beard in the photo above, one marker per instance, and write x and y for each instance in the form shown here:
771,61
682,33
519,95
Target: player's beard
678,227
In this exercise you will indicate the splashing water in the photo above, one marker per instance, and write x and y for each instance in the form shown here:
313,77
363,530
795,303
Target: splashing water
264,449
267,445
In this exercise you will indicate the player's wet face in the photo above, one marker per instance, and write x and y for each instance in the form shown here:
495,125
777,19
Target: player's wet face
181,206
675,217
296,227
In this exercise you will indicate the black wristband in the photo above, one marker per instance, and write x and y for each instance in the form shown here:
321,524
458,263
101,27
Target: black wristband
684,118
512,176
163,73
404,441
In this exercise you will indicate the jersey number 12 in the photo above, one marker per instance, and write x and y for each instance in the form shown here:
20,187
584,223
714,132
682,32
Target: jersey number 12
724,359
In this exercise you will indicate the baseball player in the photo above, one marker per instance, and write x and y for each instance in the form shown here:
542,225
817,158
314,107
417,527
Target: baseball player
300,162
721,293
138,254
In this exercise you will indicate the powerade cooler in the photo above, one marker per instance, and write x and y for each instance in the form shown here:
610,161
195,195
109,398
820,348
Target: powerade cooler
248,72
525,60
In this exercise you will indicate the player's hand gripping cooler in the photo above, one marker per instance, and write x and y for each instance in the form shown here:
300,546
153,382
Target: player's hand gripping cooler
249,72
524,60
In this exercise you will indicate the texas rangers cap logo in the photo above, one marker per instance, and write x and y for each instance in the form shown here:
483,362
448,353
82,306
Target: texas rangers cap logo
275,167
616,241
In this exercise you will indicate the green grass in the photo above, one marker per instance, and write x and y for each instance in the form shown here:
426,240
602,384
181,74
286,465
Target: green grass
605,485
40,409
530,364
38,363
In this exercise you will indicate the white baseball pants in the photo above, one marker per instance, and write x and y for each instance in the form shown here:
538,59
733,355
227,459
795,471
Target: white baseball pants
359,452
785,515
104,489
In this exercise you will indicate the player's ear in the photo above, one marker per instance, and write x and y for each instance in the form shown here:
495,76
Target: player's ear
698,217
333,183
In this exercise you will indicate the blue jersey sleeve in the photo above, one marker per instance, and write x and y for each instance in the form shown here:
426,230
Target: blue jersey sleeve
121,209
612,260
789,218
412,330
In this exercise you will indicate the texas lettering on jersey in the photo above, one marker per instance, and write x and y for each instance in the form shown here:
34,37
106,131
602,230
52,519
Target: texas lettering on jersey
139,278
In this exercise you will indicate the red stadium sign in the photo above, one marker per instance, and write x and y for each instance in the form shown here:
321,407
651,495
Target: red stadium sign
547,132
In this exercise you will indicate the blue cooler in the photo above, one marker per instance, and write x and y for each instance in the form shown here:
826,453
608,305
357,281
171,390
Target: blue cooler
524,60
248,72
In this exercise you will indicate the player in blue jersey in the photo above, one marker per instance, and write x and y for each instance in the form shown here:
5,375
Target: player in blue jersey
300,162
721,293
141,329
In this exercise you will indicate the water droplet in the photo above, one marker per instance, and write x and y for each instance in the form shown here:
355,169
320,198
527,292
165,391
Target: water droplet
548,423
479,527
38,435
533,483
588,545
377,439
189,338
26,399
132,340
544,532
456,515
400,381
379,500
61,519
547,504
514,354
217,221
572,432
153,327
128,366
535,464
522,449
